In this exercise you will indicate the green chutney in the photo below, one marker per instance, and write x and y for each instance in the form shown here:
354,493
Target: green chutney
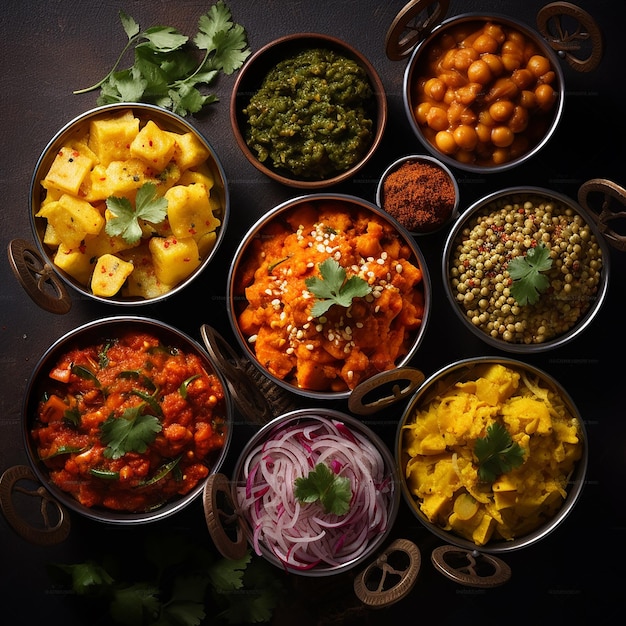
313,115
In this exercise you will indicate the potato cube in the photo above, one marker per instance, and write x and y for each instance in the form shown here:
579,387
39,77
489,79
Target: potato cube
195,177
50,237
206,243
155,146
109,275
72,219
110,138
190,151
127,176
189,211
174,258
95,187
76,262
142,282
68,170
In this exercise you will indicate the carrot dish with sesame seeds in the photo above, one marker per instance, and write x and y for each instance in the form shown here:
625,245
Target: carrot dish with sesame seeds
347,344
130,423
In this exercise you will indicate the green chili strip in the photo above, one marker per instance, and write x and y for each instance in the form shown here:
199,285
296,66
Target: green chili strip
148,399
85,374
65,450
104,474
162,472
185,384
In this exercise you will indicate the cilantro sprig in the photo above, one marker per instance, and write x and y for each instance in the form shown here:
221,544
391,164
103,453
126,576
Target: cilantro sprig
333,288
133,431
323,485
166,70
125,219
497,453
528,281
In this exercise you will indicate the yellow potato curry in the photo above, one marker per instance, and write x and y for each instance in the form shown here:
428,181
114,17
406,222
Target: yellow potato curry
442,470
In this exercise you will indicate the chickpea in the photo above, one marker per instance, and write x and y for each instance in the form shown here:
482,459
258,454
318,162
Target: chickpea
538,65
483,132
494,62
437,118
485,43
501,110
495,31
444,140
465,137
421,112
479,72
528,100
523,78
518,122
435,89
546,96
463,58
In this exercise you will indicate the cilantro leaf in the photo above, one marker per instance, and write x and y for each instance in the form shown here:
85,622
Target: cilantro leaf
528,282
125,221
130,604
497,453
131,432
332,491
166,71
333,288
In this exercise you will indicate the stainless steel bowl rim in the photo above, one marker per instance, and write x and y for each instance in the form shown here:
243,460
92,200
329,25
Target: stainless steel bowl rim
100,514
466,17
573,491
310,414
284,206
35,190
591,312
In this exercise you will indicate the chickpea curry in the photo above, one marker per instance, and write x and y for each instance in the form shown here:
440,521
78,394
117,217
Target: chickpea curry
343,345
130,423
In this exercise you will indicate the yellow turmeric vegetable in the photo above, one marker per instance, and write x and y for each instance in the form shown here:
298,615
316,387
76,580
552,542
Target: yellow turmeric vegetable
442,470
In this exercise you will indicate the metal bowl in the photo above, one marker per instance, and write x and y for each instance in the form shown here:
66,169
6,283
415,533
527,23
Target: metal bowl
444,380
249,80
587,304
314,416
528,142
90,334
73,130
439,216
276,224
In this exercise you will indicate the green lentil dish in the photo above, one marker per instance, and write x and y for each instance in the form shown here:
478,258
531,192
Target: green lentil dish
312,116
506,228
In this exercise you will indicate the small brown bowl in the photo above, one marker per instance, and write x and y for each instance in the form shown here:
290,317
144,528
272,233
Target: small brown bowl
79,261
249,80
425,200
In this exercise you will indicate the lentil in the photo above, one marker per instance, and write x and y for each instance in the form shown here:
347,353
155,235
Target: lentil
505,229
419,195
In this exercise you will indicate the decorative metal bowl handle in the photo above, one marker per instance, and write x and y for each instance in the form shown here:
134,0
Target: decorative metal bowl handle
384,382
470,568
371,585
415,20
38,278
571,45
222,519
46,534
605,215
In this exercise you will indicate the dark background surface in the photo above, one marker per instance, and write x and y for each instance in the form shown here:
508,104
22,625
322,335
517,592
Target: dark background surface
575,575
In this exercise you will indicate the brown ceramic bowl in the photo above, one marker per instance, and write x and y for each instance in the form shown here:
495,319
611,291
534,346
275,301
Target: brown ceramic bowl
341,331
94,333
79,277
441,383
248,82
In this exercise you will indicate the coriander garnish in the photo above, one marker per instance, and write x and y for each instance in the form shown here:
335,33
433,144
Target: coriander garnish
497,453
332,491
333,288
528,282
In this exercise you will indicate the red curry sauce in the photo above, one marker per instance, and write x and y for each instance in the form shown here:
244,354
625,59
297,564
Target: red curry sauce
131,423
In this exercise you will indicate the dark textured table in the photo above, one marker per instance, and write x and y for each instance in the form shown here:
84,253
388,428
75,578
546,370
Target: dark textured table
573,576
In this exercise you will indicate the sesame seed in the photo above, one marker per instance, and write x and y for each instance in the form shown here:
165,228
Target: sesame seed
252,338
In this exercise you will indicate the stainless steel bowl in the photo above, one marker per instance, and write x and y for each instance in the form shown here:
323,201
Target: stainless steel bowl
264,228
312,416
73,130
250,77
88,334
442,381
593,302
421,53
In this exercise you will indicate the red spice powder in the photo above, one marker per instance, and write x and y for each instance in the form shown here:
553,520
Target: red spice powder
419,195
